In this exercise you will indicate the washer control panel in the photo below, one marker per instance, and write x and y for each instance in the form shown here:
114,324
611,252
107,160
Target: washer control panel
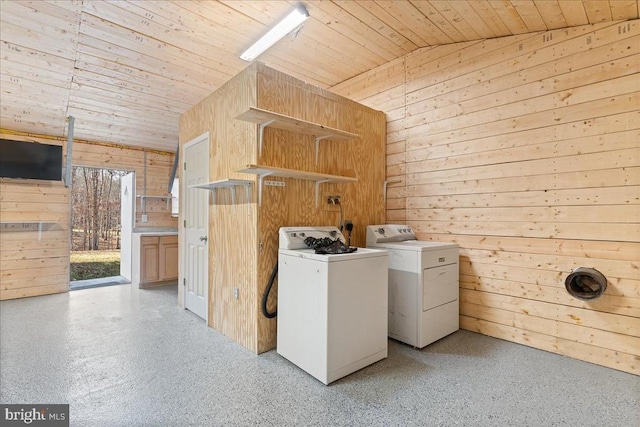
293,237
389,233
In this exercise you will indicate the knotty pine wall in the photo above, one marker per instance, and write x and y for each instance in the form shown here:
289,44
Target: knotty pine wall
525,151
243,240
31,267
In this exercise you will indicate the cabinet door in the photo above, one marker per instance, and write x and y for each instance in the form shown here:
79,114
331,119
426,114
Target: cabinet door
149,259
168,257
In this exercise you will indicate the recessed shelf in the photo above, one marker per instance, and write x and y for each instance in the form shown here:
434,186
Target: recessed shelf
266,118
318,178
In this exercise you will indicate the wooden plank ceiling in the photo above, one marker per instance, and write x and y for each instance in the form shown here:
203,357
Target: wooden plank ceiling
126,70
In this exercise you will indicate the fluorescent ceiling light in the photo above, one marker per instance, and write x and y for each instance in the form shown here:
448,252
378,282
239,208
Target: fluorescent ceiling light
284,27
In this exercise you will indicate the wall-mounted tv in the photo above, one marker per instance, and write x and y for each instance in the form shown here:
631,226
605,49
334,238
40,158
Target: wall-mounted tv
30,160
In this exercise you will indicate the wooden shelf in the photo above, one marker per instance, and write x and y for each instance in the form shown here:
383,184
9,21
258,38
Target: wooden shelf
226,183
318,178
266,118
223,183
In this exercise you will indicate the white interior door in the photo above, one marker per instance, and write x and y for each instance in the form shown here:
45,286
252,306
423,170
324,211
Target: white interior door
127,215
196,216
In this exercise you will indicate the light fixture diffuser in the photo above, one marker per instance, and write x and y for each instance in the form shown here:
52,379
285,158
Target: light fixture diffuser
284,27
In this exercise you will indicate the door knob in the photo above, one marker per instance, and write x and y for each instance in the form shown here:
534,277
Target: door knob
203,238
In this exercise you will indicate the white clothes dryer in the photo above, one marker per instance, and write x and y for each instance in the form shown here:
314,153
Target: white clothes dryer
423,284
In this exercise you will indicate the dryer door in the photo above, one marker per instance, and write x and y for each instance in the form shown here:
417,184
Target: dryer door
440,286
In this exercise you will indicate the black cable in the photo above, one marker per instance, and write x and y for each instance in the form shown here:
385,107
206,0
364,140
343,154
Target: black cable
349,226
336,201
265,296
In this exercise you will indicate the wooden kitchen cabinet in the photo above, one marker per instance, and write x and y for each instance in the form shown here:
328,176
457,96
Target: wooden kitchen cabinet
168,258
158,260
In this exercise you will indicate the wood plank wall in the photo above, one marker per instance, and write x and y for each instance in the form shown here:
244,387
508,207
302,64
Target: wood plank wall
32,267
243,243
525,151
33,262
158,173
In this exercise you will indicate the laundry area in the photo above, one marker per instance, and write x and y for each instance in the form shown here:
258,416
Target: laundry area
381,212
302,258
285,155
296,176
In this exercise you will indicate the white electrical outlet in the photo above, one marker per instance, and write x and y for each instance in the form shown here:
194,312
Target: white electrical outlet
144,218
236,293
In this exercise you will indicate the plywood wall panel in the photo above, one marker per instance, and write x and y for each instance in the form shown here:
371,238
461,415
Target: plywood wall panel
243,240
232,228
294,204
234,247
526,152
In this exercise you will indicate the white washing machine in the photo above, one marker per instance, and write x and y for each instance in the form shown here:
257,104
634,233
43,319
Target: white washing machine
423,284
332,309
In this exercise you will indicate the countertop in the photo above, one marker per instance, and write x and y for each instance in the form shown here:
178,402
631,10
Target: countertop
155,231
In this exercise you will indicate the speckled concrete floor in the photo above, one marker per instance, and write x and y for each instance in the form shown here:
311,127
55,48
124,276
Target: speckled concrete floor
129,357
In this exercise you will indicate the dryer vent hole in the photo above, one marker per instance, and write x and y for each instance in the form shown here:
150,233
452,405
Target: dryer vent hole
586,283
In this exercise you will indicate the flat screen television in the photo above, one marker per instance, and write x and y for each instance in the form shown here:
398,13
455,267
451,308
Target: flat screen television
30,160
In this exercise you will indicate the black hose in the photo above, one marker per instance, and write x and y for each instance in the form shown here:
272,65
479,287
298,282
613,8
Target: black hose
265,296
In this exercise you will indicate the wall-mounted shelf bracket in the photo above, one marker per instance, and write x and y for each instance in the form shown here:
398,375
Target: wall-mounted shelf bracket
318,178
384,187
261,127
143,201
318,139
231,184
317,188
260,182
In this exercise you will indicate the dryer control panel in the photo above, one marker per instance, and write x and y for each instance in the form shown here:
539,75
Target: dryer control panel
389,233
